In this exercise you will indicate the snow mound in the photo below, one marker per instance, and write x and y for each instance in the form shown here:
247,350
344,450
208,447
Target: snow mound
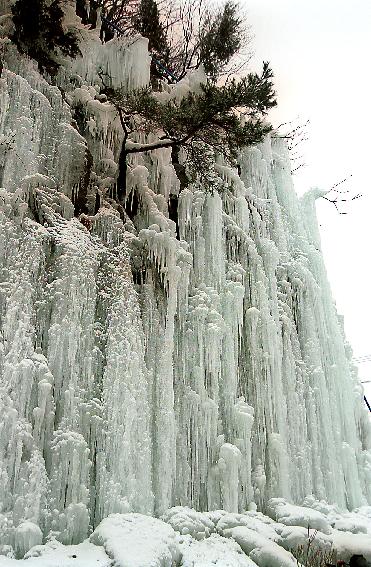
351,524
134,540
291,515
348,544
189,538
55,554
187,521
293,537
262,551
215,550
253,520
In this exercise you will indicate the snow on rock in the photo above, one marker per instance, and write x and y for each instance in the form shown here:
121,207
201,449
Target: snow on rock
294,537
216,550
262,551
291,515
347,544
133,540
357,521
253,520
189,522
188,538
55,554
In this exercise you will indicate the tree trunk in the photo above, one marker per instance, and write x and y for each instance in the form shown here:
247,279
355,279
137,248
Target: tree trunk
123,168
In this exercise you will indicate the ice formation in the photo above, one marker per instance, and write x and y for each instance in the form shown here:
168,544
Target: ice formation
147,363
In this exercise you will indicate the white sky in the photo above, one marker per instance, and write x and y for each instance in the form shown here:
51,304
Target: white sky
320,53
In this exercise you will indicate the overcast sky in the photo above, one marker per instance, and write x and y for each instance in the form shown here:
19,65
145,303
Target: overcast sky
320,53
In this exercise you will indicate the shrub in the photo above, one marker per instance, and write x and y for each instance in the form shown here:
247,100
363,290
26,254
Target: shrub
309,555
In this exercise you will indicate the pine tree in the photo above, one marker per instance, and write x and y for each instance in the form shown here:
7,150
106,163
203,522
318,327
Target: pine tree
220,38
147,23
39,32
223,118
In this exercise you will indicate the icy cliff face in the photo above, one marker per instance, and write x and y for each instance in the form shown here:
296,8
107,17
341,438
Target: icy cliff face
146,363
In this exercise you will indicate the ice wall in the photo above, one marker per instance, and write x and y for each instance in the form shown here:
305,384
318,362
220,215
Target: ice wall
146,363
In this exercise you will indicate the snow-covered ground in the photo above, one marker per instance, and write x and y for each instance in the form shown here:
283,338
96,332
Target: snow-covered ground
188,538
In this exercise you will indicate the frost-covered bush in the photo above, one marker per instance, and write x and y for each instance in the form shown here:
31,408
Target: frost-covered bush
309,556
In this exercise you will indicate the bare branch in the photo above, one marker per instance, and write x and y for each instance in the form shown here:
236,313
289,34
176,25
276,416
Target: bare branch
342,196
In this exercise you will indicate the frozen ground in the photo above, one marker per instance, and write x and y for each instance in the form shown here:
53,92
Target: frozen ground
188,538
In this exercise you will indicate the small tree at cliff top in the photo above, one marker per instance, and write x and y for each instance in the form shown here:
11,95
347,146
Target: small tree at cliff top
184,33
147,22
223,118
198,35
39,32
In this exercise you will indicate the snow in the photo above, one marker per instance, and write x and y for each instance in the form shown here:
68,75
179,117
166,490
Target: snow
194,370
189,522
214,551
348,544
262,551
54,554
133,540
297,516
190,538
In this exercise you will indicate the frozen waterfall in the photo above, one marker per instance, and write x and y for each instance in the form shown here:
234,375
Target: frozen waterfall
145,365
